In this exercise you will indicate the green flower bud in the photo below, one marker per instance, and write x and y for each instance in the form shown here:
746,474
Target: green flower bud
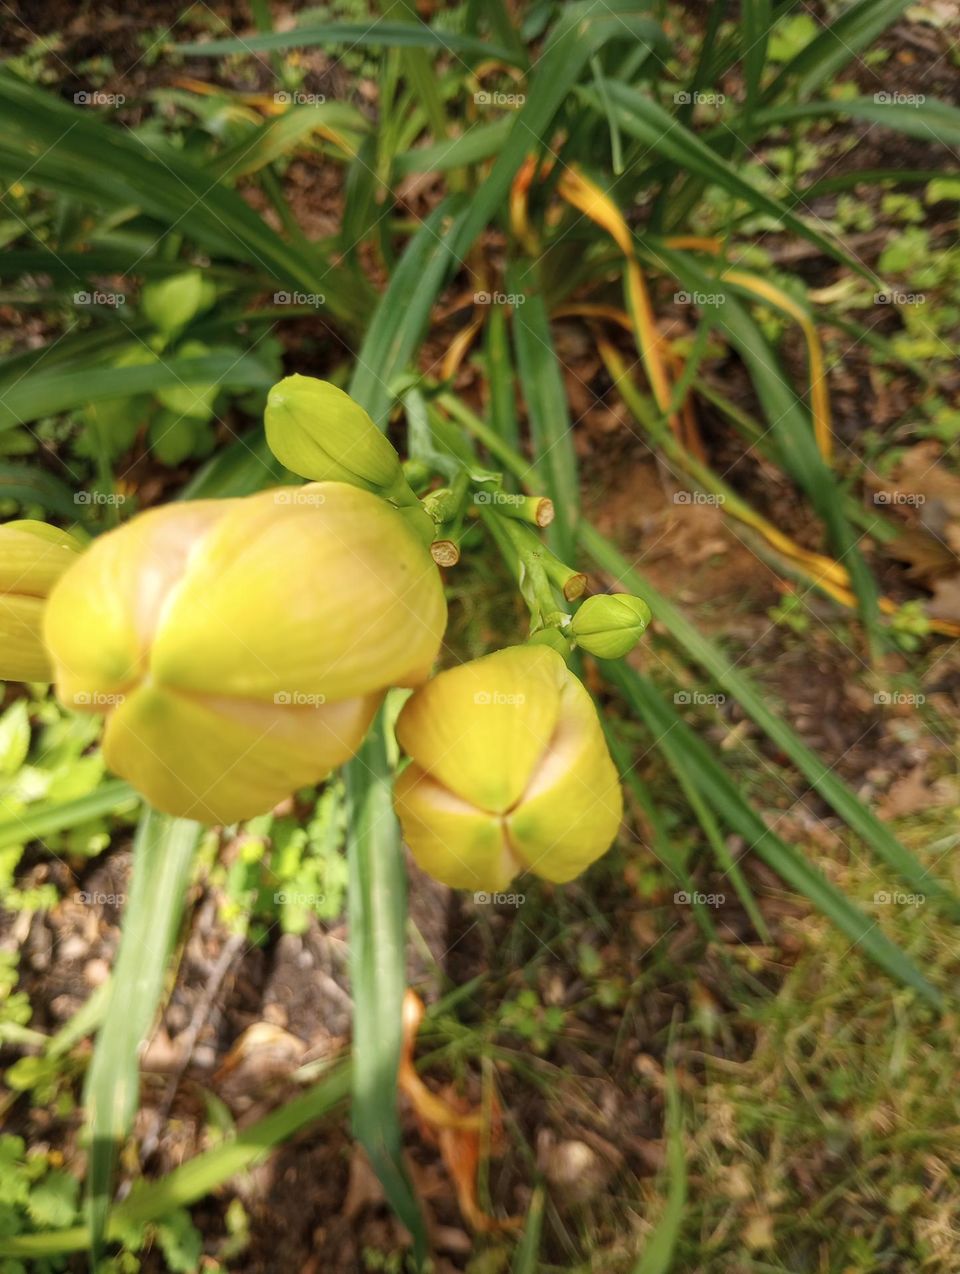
609,625
33,556
319,432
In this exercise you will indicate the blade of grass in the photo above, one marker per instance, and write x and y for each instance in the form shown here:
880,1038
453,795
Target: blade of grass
526,1259
163,852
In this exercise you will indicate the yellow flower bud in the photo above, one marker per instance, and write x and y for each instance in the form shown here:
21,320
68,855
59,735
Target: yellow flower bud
609,625
509,772
240,648
33,556
320,433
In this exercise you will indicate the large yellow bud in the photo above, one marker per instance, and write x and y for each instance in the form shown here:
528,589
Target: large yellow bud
33,556
240,648
509,772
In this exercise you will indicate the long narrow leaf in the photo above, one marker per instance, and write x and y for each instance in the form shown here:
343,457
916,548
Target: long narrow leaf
722,669
377,903
198,1176
163,852
722,793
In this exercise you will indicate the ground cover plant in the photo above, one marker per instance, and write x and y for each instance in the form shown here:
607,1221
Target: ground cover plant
478,599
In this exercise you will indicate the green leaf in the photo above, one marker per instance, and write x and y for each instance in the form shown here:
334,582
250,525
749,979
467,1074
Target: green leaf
46,818
69,149
582,30
14,737
929,119
199,1176
546,399
647,120
37,396
377,913
29,484
403,313
377,34
836,45
725,673
53,1200
526,1259
719,789
163,852
790,428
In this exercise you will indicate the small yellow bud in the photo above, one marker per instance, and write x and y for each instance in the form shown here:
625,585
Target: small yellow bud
240,648
33,556
320,433
509,772
609,625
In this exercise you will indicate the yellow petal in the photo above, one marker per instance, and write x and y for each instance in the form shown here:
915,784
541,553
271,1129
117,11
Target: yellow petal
22,653
571,810
452,840
320,589
102,614
480,729
219,761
